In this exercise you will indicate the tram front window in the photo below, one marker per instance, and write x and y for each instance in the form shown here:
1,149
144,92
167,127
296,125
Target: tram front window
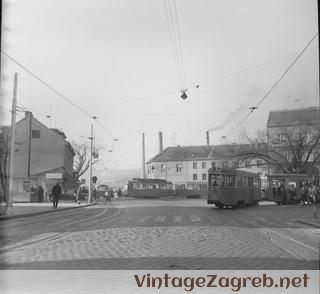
216,180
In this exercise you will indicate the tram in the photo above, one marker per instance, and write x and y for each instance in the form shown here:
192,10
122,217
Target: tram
288,188
149,188
233,188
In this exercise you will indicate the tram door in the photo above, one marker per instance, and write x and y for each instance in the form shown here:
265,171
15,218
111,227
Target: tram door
251,191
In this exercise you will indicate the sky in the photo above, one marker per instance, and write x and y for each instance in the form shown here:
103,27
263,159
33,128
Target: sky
115,59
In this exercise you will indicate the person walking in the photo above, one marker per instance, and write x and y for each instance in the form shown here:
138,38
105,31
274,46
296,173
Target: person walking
40,193
56,192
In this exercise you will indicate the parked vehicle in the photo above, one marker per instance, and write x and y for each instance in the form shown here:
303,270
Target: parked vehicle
233,188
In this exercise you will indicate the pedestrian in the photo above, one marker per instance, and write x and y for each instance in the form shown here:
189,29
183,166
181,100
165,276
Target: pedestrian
56,192
40,193
106,195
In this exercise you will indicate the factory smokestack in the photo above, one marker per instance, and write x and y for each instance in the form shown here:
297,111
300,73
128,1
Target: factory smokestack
160,142
143,171
208,138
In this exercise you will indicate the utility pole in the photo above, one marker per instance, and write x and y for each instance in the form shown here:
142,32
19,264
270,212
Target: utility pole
12,145
90,176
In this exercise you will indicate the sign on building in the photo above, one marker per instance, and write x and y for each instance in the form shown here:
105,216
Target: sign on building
54,176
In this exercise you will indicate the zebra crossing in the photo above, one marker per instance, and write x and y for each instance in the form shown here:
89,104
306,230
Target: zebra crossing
168,219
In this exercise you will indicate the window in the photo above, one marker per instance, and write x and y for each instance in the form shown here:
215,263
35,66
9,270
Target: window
179,168
204,177
224,164
204,165
281,138
35,134
163,168
195,177
195,165
213,164
247,163
235,164
309,137
259,162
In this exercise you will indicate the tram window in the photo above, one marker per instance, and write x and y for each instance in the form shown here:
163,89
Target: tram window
216,180
229,181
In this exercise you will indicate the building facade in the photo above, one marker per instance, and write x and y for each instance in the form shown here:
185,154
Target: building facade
187,166
43,157
293,137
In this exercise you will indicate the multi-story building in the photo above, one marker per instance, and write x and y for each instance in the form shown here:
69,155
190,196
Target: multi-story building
43,156
293,139
187,166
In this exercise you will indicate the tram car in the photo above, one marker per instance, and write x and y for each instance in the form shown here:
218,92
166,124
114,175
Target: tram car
289,188
149,188
233,188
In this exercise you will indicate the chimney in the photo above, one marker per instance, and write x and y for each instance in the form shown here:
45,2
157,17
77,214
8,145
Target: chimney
208,138
27,114
143,172
160,142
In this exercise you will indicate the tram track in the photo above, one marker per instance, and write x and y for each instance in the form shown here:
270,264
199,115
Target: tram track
89,222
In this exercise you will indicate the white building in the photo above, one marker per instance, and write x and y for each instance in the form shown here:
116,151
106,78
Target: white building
188,165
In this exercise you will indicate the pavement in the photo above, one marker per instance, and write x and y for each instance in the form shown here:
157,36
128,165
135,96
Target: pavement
20,210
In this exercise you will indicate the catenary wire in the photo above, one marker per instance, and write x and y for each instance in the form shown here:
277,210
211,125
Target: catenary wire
274,85
53,89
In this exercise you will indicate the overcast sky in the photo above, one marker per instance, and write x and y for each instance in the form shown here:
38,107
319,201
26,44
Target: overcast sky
115,59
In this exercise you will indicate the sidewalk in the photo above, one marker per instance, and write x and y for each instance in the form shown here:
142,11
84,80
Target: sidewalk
20,210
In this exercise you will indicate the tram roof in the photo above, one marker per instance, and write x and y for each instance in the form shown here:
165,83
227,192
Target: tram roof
289,176
150,181
232,172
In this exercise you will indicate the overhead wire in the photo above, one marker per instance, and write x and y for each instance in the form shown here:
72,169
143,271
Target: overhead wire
173,40
55,91
175,37
253,108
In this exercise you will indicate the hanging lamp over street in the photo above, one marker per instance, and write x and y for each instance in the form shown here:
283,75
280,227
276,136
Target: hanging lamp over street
184,94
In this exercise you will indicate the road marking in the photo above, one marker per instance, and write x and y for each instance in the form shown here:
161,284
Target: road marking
143,219
195,218
160,219
177,219
295,241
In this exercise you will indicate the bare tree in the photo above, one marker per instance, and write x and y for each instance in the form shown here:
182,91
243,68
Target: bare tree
291,150
81,162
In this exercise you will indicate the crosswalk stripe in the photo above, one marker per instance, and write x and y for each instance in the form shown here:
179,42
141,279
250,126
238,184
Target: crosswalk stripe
195,218
160,219
143,219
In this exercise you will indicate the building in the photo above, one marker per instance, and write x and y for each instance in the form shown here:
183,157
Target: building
187,166
43,156
293,139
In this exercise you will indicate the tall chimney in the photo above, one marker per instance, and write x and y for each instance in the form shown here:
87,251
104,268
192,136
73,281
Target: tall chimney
160,142
143,171
208,138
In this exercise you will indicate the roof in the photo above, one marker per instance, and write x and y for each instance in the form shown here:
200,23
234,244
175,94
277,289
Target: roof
59,134
191,153
294,117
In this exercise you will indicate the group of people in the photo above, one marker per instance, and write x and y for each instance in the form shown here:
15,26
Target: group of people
305,193
109,194
39,194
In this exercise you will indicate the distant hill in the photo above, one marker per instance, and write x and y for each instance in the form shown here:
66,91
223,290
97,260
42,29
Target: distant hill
117,177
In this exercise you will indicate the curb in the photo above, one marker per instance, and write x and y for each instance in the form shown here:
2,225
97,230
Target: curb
7,217
308,223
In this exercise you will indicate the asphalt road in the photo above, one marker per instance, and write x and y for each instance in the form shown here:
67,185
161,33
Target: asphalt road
162,234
